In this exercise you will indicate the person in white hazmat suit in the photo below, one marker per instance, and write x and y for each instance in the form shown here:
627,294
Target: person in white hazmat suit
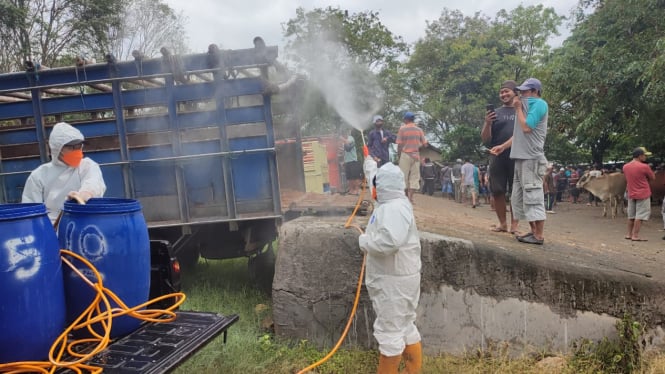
392,245
67,176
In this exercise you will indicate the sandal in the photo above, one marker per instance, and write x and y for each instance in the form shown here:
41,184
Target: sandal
530,239
518,237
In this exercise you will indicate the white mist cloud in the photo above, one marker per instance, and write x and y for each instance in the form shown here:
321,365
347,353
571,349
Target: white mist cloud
349,88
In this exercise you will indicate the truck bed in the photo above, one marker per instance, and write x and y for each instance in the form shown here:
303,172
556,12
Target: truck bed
159,347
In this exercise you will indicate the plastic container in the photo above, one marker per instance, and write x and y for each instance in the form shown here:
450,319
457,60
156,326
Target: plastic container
32,307
111,234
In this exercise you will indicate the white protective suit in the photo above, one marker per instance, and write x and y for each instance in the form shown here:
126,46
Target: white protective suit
51,182
392,245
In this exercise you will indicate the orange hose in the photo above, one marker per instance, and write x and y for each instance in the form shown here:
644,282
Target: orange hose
347,224
93,314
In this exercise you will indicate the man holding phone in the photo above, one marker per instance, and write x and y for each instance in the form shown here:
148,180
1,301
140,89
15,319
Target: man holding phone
498,133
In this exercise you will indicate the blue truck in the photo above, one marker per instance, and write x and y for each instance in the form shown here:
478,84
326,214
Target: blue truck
190,136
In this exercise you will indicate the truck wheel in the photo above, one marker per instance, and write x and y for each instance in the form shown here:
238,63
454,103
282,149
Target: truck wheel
188,257
261,267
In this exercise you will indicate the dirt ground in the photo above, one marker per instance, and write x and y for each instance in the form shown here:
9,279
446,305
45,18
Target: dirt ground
577,234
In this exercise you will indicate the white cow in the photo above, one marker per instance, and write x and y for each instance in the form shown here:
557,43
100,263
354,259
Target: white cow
609,188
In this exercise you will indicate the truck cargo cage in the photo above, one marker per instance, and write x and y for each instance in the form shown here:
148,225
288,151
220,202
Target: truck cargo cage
191,137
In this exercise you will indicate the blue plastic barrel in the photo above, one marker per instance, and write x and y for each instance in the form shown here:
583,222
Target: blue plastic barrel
32,306
111,234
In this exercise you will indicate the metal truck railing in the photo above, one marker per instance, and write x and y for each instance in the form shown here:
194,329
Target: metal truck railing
190,137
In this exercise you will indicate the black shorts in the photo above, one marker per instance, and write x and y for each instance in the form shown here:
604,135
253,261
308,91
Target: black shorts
502,169
353,170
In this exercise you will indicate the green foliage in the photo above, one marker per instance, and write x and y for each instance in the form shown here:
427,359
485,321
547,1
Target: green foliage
605,78
463,142
366,39
623,355
53,33
457,68
342,56
559,149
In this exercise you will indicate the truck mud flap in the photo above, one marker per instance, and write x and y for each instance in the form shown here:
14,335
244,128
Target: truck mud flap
159,347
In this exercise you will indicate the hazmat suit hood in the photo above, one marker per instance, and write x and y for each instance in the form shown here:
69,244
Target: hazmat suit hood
62,134
390,183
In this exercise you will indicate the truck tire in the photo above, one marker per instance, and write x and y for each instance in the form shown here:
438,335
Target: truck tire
261,268
189,257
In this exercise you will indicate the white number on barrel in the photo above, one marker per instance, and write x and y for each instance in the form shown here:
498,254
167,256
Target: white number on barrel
23,257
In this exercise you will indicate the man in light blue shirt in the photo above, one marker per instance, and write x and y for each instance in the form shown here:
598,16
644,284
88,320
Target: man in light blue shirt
527,150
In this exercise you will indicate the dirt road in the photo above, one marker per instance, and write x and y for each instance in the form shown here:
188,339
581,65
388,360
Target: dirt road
576,234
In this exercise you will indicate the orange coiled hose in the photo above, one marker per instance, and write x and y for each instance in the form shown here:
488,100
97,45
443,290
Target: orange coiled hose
93,314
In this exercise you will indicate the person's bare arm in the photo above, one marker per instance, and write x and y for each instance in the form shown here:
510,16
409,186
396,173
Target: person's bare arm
497,150
520,115
486,132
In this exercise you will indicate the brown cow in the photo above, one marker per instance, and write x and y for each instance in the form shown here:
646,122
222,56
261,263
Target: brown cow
658,187
609,188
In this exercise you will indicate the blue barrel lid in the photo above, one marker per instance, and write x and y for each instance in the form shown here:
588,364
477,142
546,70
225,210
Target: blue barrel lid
104,205
24,210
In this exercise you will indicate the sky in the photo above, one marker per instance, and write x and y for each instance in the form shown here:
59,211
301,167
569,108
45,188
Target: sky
232,24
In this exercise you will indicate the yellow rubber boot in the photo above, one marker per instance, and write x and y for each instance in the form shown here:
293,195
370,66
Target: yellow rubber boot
388,364
413,358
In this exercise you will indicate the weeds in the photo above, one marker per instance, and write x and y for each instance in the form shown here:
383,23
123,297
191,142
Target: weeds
621,355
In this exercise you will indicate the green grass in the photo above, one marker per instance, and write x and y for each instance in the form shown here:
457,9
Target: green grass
224,287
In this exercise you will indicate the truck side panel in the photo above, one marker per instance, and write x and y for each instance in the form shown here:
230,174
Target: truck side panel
197,149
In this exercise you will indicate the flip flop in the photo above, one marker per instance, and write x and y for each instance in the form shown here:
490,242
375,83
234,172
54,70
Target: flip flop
639,240
628,238
498,229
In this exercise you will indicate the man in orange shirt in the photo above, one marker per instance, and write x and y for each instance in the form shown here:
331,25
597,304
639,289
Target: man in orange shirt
410,139
638,174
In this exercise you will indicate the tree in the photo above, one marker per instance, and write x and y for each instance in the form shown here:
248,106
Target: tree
457,68
45,30
147,25
527,30
341,55
605,77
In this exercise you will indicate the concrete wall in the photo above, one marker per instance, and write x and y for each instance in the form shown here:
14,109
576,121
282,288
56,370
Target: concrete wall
472,297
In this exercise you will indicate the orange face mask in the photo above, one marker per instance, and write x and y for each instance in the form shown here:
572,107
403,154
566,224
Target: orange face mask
72,158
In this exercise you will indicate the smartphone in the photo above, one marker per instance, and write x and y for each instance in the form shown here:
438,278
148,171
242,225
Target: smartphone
489,107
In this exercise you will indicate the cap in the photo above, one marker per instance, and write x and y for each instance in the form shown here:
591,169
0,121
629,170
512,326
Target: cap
409,115
639,151
562,169
508,84
458,160
377,118
75,142
530,84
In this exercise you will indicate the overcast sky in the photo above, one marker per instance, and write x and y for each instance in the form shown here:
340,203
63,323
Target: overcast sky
233,24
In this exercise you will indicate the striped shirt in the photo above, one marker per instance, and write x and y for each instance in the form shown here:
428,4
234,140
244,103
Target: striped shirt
410,138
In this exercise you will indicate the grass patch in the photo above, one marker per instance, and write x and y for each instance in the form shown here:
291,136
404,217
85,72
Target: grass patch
225,287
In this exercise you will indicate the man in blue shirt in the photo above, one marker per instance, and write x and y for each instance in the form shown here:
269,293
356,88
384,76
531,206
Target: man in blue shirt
527,150
378,141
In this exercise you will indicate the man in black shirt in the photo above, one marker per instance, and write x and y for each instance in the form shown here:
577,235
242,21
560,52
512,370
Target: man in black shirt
498,133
